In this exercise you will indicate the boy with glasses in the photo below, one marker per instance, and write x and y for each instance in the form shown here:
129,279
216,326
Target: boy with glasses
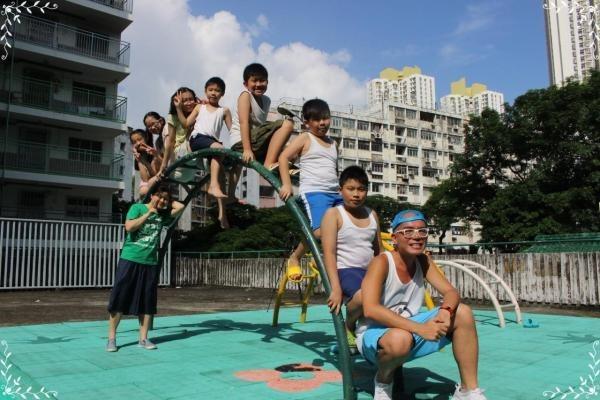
394,331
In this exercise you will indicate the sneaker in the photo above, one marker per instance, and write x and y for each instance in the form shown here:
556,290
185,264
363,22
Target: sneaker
111,345
382,391
351,342
475,394
147,344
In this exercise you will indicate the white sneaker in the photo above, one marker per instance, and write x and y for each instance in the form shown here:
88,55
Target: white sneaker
382,391
475,394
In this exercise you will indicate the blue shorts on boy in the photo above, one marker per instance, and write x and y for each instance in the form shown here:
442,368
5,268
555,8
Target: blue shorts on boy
350,281
316,205
367,342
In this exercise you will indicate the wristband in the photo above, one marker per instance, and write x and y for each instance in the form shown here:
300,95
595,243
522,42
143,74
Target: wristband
447,308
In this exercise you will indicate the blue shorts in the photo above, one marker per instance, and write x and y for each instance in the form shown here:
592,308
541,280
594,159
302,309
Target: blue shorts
317,203
201,141
350,280
367,342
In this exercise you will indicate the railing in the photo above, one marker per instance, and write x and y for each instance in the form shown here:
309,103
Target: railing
72,40
37,254
52,96
88,215
50,159
123,5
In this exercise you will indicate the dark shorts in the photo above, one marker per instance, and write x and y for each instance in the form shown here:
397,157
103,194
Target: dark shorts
200,142
260,137
135,289
350,280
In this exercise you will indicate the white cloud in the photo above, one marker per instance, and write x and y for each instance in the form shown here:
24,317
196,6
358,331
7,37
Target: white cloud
478,16
172,48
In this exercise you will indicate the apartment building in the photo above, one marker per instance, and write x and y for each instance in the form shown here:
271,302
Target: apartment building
62,119
406,86
572,38
466,100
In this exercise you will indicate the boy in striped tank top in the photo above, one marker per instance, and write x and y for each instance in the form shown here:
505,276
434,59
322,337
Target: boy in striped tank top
395,330
350,238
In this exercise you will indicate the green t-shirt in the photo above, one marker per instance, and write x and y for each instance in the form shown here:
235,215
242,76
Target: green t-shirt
141,246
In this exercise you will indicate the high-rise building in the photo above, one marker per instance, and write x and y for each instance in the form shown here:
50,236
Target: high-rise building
572,38
465,100
406,86
61,118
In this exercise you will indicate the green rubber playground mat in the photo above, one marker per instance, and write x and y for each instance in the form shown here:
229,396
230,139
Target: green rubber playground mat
239,355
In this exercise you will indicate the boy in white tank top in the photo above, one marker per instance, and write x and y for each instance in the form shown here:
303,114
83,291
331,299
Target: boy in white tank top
350,238
394,331
208,120
318,173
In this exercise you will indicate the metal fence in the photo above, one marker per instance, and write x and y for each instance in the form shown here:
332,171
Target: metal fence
72,40
550,278
36,254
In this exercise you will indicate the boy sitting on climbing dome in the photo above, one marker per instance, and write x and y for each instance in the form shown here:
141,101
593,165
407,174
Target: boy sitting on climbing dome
395,331
350,238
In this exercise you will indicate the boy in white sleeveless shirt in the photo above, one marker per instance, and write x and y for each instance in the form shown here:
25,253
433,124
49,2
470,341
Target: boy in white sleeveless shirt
395,331
350,238
318,172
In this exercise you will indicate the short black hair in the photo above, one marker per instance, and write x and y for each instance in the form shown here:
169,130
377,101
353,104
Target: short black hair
215,80
141,132
160,146
163,188
255,70
354,172
315,109
183,89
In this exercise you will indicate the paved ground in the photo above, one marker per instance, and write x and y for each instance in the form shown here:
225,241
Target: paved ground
207,353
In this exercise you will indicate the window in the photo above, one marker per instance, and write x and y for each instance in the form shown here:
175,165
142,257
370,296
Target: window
85,150
412,152
411,114
362,125
399,131
336,122
400,150
348,123
31,204
411,133
266,191
413,190
377,167
429,154
83,207
349,143
89,95
363,145
427,135
413,170
401,169
431,173
364,165
375,187
376,146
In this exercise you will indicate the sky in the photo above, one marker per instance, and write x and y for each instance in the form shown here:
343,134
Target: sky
330,48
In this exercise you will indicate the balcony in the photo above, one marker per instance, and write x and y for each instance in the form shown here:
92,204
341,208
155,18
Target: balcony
56,160
72,40
51,96
122,5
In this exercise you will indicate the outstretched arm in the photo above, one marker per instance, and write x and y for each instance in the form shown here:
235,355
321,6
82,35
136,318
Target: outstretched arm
227,118
330,225
290,153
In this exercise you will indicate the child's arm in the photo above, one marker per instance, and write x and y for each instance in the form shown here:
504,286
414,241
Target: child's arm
244,109
189,121
169,143
176,208
377,243
290,153
329,229
227,118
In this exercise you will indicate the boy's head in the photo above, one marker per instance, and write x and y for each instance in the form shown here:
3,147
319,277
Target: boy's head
317,116
410,232
354,186
162,197
256,79
214,89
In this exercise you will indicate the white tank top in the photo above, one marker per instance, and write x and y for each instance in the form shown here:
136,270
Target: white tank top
405,299
258,115
355,244
208,123
318,168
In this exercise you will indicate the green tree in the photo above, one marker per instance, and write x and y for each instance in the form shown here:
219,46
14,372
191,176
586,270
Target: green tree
533,170
386,208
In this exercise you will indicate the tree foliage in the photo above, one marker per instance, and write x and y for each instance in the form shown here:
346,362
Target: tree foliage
533,170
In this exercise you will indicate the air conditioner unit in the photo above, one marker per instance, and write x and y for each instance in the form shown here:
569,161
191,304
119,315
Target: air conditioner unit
427,164
450,147
433,144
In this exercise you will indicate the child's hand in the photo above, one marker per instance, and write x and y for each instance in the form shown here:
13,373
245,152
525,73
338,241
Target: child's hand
152,205
285,192
335,301
248,156
177,100
201,101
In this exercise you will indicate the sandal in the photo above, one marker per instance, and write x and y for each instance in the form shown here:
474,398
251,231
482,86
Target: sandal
293,272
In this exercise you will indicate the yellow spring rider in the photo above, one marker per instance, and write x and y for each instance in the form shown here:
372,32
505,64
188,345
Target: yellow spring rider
309,275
